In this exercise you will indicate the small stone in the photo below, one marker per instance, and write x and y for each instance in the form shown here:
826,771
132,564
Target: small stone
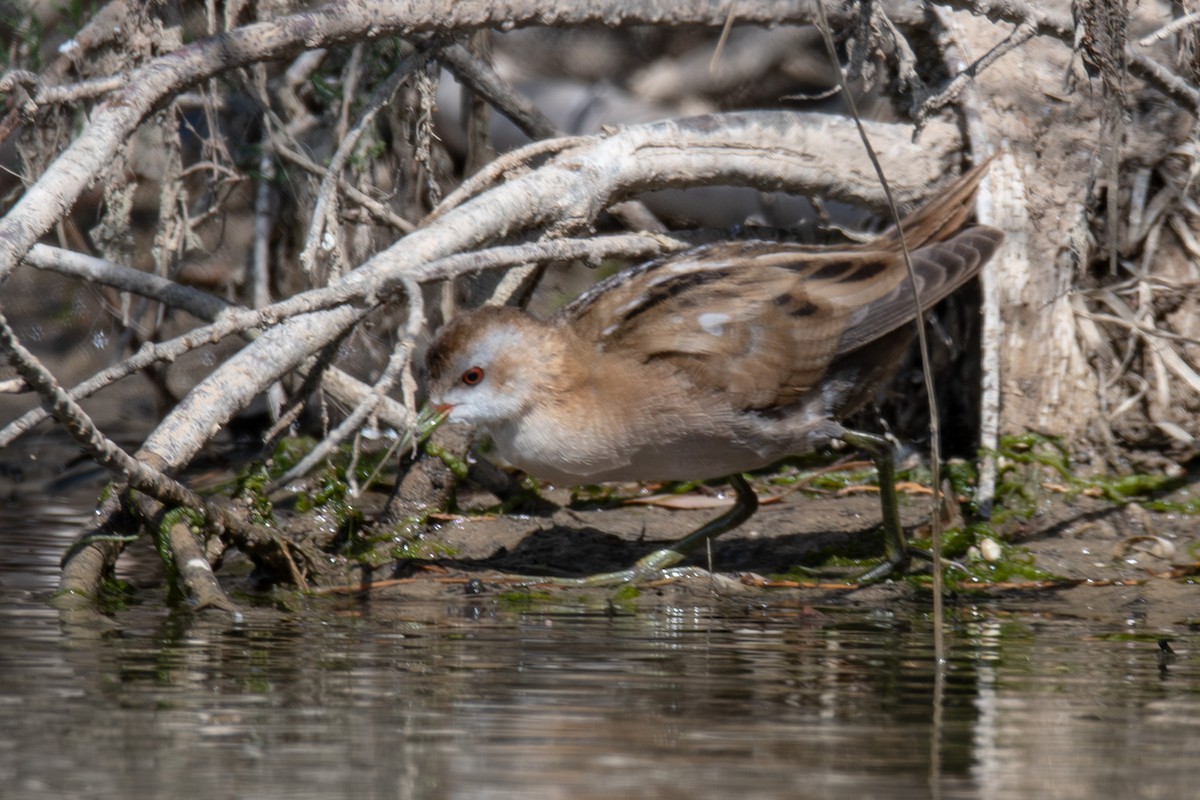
990,549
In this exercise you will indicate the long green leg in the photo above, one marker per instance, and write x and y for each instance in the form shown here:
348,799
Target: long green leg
743,508
653,565
895,548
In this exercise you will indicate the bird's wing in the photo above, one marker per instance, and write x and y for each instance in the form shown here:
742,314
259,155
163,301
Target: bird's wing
940,268
759,322
763,322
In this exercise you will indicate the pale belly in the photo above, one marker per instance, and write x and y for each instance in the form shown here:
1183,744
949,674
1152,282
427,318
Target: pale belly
676,453
681,462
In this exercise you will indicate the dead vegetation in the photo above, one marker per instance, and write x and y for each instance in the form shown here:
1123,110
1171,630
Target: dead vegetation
260,211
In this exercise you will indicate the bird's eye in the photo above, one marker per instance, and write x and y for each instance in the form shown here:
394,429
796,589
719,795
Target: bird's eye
472,376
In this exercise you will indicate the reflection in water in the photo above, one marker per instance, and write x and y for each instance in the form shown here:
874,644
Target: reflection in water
469,699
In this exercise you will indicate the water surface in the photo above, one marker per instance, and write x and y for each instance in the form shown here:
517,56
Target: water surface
474,698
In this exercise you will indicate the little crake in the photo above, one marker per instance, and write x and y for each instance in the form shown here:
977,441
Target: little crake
708,363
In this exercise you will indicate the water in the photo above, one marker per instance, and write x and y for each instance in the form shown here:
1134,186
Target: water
471,699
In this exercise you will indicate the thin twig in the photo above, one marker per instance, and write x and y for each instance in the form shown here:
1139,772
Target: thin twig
352,73
1170,29
399,363
324,230
511,162
375,208
74,92
906,59
1142,327
477,111
1155,339
725,29
1021,34
479,77
260,261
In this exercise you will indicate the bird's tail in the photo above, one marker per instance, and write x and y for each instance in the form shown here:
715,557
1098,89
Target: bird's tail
941,217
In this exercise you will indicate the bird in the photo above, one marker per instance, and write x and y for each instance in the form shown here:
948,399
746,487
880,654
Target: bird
709,363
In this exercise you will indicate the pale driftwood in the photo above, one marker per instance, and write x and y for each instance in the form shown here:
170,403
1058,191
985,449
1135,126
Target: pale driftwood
141,474
1035,359
226,320
113,121
769,150
1001,215
1054,20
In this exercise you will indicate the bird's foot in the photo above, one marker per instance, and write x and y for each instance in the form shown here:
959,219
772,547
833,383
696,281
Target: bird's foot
887,568
661,565
656,569
893,565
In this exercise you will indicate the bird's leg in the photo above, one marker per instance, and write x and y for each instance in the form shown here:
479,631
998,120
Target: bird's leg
895,549
743,508
657,563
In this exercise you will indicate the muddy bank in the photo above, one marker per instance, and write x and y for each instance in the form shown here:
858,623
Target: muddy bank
1079,556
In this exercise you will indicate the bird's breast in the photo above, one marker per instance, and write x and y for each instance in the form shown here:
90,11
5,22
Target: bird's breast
660,444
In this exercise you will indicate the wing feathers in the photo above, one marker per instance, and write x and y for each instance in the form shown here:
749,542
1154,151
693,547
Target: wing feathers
763,322
940,268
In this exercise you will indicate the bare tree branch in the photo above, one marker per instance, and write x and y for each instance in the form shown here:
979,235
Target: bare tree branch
114,120
1060,26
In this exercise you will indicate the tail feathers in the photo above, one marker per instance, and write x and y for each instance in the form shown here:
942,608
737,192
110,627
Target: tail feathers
943,267
944,215
940,268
